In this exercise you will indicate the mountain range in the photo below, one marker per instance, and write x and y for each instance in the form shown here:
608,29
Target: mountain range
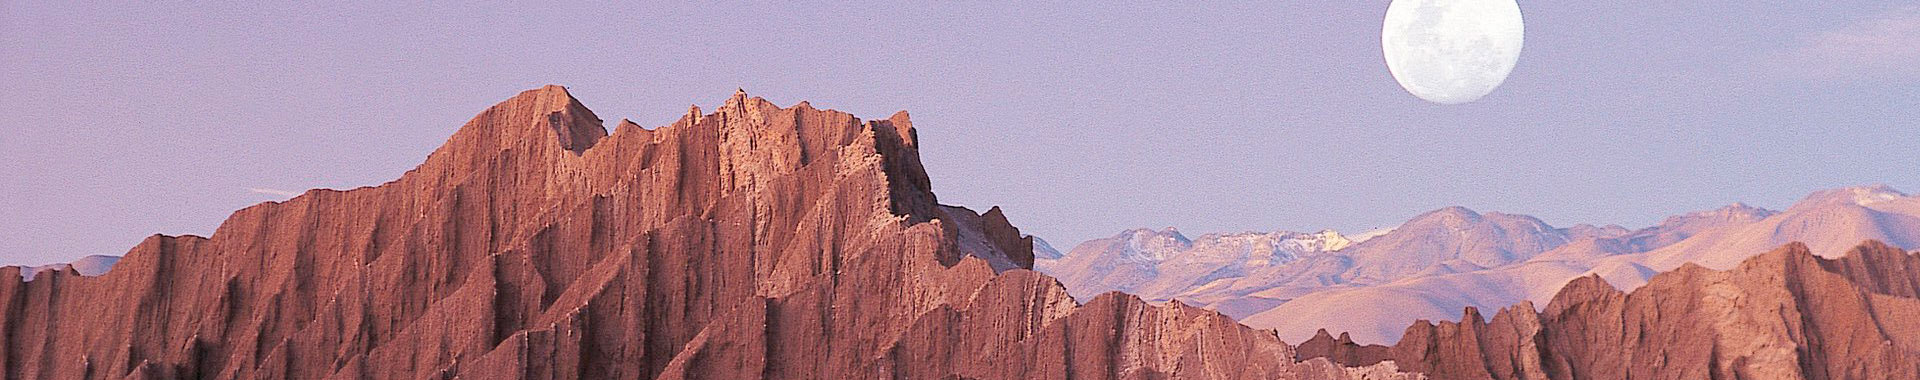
1438,263
93,265
767,242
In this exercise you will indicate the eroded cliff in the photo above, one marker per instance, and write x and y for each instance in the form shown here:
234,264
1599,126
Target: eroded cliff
751,242
1786,314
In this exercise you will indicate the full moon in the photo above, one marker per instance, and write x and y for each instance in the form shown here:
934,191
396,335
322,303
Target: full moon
1451,51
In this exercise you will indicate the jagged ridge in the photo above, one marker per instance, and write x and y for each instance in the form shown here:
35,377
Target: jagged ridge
1786,314
751,242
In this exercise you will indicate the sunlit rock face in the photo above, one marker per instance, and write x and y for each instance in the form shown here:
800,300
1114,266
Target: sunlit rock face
754,241
1785,314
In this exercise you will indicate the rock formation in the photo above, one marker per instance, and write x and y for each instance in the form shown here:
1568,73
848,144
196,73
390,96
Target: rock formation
1341,350
1786,314
751,242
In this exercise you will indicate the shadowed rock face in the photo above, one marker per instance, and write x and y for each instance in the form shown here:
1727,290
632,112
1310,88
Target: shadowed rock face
751,242
1786,314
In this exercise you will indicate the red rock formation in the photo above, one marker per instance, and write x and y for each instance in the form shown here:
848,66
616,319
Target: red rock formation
1786,314
1340,350
752,242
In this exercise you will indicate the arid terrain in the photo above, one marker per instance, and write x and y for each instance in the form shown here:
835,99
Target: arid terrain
759,241
1438,263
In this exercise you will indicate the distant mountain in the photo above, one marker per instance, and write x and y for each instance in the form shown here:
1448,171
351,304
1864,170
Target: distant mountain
1442,261
1159,264
94,265
1828,222
1448,240
1043,250
1442,295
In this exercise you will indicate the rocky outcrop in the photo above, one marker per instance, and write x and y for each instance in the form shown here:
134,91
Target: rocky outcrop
751,242
1340,350
1786,314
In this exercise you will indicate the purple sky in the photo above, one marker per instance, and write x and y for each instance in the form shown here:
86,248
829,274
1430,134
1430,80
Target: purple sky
126,120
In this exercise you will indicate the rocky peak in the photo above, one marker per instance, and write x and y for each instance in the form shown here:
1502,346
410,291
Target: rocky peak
1736,213
1043,250
989,236
1168,235
1150,245
1857,196
903,127
532,119
1323,241
1340,350
751,243
1452,235
1264,248
1452,216
1462,218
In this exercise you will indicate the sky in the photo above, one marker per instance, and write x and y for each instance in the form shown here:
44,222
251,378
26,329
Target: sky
125,120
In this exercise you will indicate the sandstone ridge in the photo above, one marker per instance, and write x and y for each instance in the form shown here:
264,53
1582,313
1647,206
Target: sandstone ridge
1786,314
754,241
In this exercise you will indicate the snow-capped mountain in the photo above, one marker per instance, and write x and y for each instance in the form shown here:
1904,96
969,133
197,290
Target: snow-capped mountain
1155,264
1828,221
1441,261
1442,296
1043,250
94,265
